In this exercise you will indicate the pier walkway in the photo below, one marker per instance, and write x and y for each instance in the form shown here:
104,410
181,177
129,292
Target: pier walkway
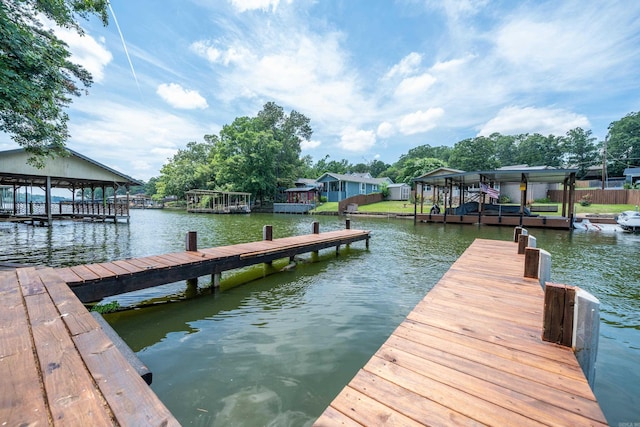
471,353
93,282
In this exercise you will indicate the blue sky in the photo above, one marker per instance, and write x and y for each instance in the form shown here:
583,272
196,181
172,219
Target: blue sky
376,78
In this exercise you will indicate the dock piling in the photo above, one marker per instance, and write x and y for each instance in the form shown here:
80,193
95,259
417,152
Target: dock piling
191,244
557,322
267,232
316,227
531,262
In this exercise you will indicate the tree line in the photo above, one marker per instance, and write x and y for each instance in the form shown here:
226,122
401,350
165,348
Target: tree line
261,155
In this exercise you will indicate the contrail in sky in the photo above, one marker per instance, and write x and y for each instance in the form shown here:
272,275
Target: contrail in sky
125,48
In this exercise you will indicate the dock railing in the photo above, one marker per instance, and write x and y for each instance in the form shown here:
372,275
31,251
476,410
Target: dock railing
571,315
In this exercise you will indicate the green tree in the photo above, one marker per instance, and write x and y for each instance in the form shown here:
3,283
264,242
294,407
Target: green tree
506,149
538,150
188,169
415,167
246,158
426,151
623,144
581,151
474,154
377,167
288,131
37,78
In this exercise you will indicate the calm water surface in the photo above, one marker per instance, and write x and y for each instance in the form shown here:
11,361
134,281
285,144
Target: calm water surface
277,350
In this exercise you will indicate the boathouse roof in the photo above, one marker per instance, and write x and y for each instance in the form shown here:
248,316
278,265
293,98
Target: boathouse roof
72,171
518,174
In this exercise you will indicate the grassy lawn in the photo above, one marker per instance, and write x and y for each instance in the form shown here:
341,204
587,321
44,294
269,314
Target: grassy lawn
404,207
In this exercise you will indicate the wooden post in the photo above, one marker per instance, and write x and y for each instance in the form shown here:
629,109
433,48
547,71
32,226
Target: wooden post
557,323
348,224
516,233
316,227
531,262
267,232
191,242
215,279
523,240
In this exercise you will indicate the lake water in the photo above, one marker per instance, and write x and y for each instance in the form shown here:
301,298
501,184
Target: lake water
278,349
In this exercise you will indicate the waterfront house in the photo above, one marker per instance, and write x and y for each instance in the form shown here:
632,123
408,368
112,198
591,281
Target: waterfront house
337,187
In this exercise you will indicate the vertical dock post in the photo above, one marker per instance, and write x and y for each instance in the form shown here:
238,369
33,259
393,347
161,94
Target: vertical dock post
191,241
348,224
267,232
523,240
531,262
557,322
316,230
191,245
215,279
516,233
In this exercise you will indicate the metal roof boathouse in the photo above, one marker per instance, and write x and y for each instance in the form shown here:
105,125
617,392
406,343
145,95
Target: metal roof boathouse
476,196
73,172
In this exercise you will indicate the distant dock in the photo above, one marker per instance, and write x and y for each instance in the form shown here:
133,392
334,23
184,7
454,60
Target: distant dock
471,353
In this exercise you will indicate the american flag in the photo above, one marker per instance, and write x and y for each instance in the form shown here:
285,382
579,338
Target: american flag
492,192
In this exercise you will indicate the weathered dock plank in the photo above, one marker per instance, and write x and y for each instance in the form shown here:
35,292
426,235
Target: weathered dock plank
471,353
57,365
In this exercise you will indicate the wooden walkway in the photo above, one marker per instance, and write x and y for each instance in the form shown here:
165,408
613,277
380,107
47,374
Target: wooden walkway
471,353
57,364
93,282
58,367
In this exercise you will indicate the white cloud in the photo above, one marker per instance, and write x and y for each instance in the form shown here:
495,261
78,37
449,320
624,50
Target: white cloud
86,51
545,121
415,86
309,145
420,121
408,65
303,70
357,140
385,130
139,140
178,97
265,5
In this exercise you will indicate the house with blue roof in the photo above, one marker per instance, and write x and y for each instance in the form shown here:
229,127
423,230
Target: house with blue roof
337,187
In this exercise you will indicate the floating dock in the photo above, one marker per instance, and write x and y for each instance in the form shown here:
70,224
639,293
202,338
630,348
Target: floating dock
471,353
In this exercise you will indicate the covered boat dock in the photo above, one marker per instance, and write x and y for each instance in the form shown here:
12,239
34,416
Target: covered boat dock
473,197
74,172
218,202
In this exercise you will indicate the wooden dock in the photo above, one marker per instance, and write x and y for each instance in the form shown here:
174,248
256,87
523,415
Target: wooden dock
471,353
93,282
57,365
